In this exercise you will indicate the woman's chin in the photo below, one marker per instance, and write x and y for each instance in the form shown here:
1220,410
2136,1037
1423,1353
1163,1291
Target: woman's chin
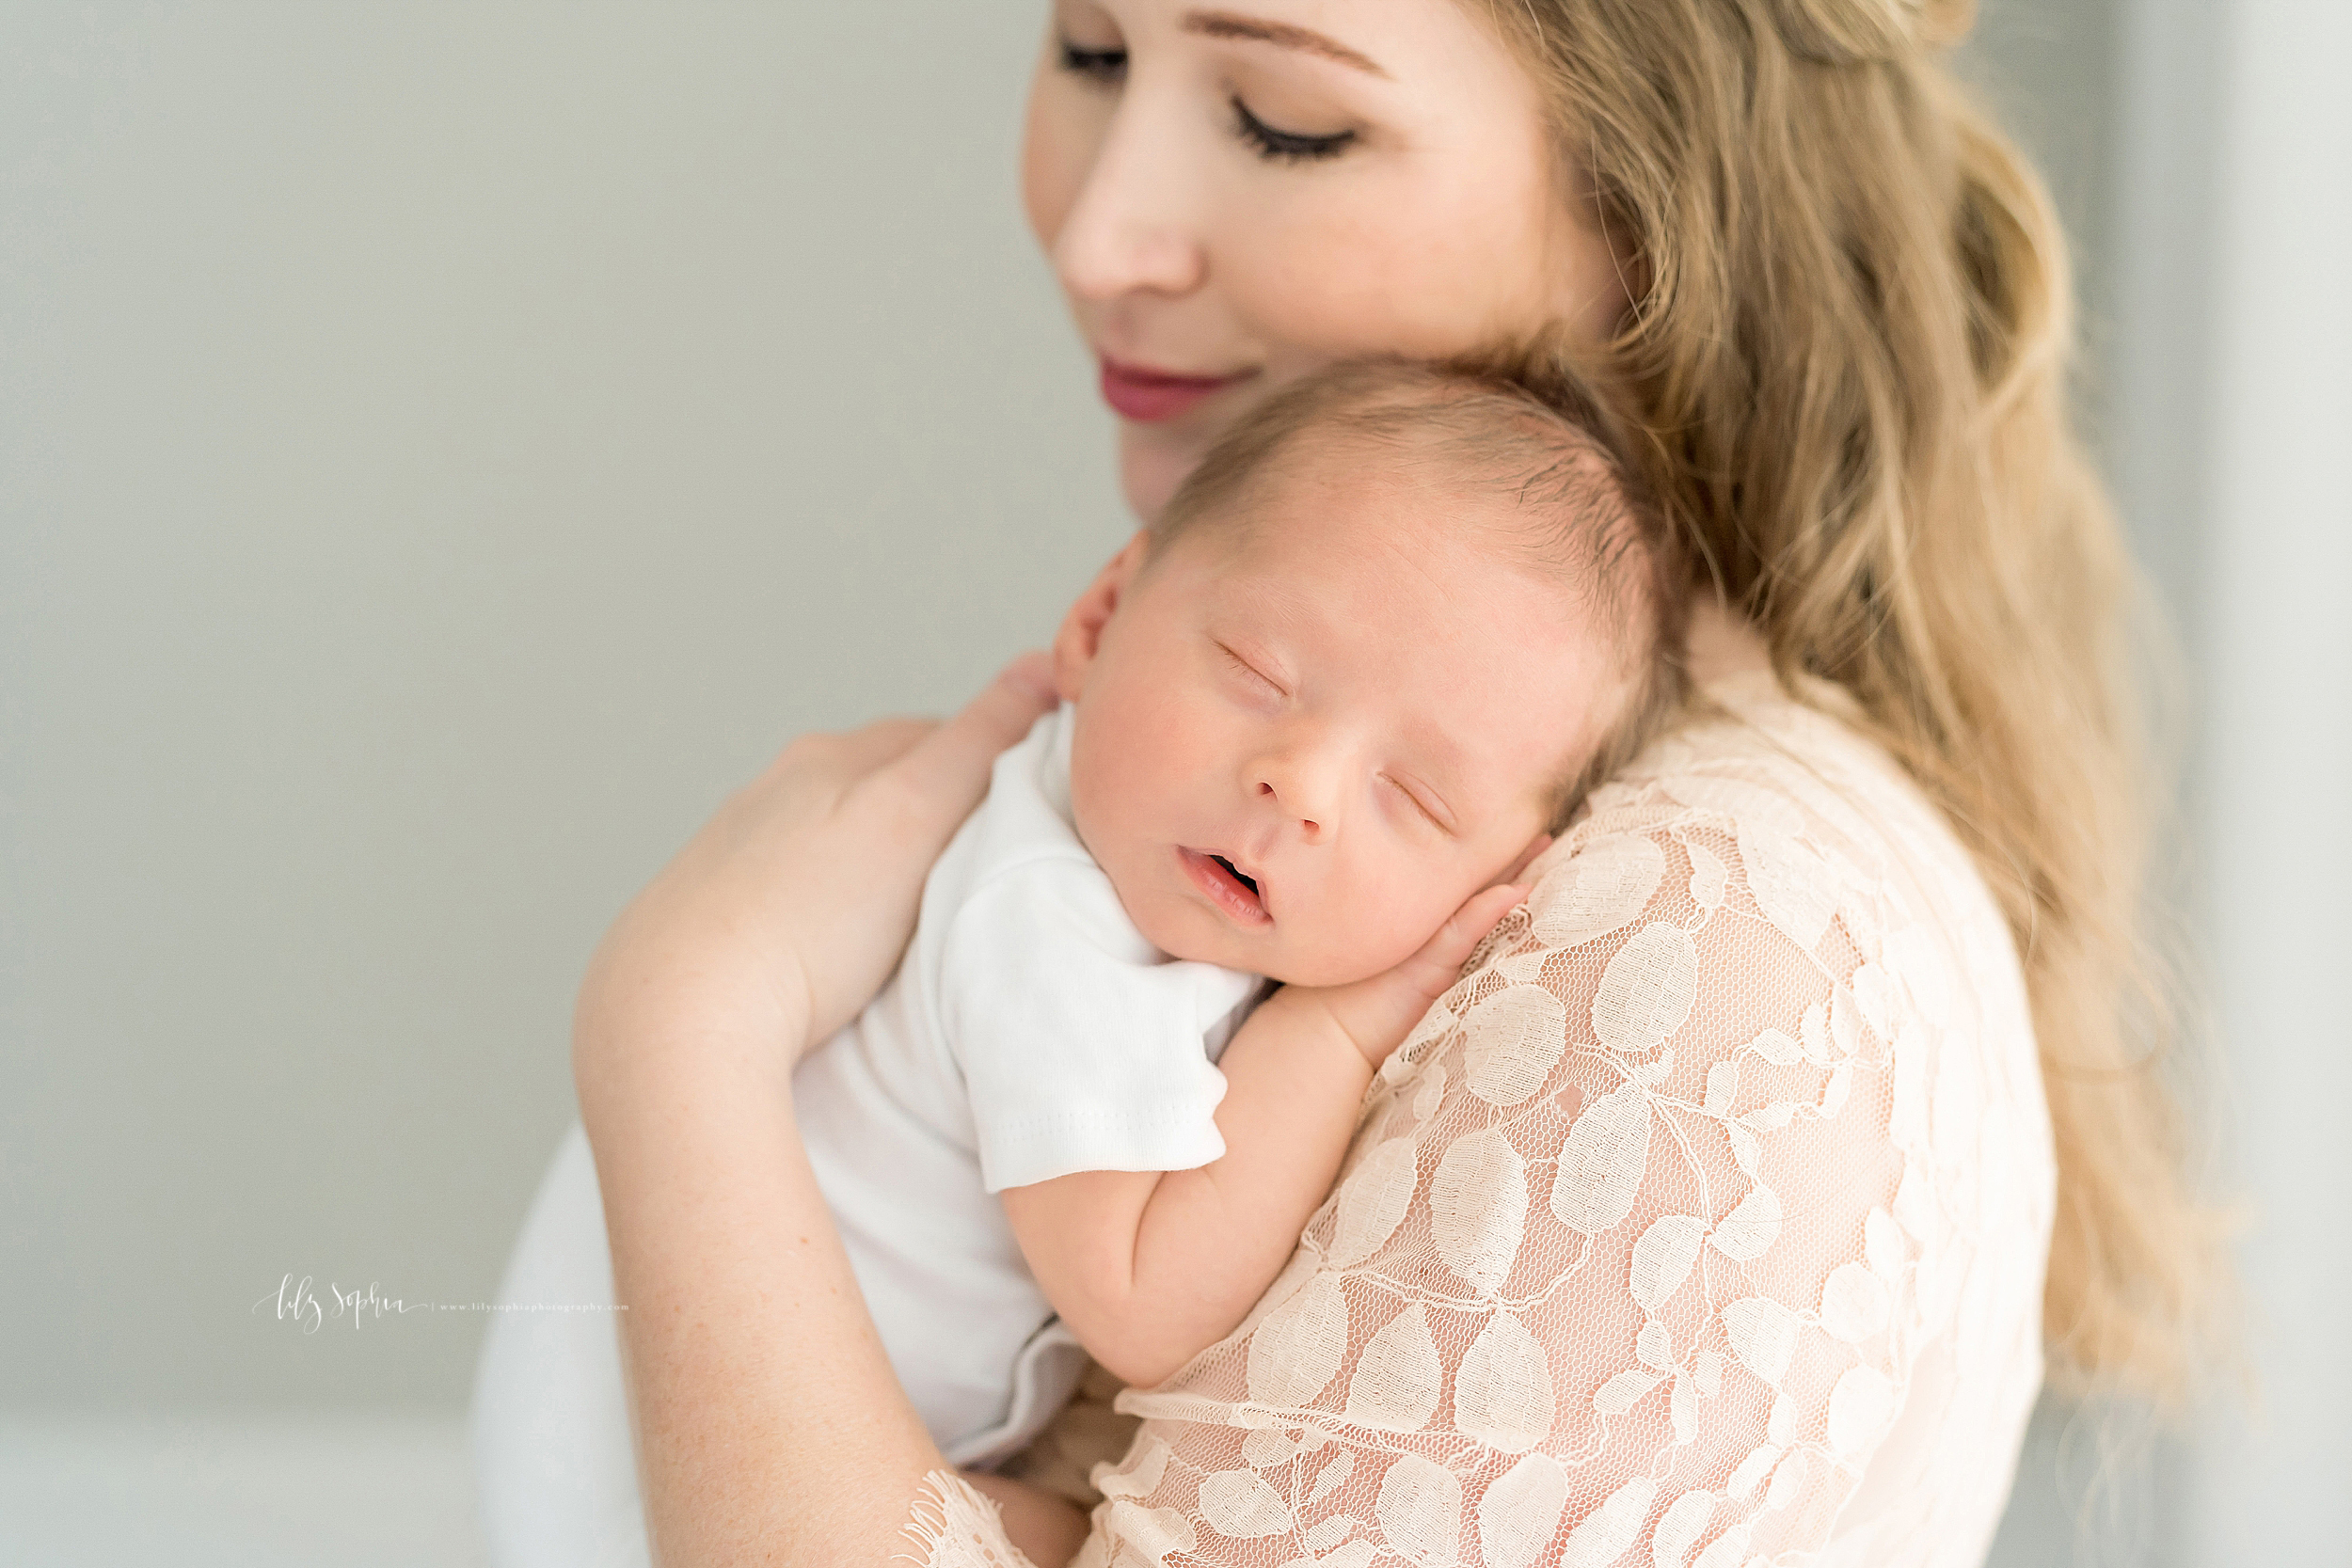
1153,462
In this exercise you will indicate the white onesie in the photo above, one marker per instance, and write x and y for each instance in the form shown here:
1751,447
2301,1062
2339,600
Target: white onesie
1030,1032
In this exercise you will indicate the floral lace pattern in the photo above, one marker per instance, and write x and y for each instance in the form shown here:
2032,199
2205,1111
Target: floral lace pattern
1703,1223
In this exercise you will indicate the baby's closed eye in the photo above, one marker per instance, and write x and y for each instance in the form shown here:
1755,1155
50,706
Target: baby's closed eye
1250,674
1424,804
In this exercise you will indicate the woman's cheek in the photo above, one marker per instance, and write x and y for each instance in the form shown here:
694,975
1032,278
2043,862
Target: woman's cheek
1357,295
1442,287
1057,147
1301,282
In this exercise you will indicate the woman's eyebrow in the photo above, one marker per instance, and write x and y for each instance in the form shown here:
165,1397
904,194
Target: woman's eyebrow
1228,24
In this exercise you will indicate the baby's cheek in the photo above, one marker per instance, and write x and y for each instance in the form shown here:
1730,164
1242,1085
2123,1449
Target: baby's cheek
1379,926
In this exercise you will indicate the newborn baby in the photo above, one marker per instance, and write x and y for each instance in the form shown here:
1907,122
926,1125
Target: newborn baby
1314,719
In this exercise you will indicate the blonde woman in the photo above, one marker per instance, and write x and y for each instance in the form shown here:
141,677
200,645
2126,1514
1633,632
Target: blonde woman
1729,1207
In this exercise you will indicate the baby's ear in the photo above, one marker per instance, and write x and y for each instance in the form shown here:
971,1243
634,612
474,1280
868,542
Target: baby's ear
1081,634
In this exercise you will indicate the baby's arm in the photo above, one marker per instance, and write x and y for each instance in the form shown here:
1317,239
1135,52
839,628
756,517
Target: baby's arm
1150,1268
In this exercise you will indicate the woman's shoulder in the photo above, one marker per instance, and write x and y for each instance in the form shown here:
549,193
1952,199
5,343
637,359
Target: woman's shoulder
1787,853
1711,1204
1798,770
1829,828
1772,833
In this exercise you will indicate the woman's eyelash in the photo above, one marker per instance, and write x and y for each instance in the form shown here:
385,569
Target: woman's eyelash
1286,147
1109,67
1104,66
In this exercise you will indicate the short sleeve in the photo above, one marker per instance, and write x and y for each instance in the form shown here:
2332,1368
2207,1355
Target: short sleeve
1082,1047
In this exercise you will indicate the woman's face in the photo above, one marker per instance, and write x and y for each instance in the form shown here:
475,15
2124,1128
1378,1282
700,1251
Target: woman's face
1232,197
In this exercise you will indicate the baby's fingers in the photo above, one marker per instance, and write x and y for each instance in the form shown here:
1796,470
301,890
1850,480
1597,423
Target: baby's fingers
946,770
1535,847
1440,958
1480,914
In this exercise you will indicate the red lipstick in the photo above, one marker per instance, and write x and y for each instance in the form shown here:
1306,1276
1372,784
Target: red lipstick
1148,396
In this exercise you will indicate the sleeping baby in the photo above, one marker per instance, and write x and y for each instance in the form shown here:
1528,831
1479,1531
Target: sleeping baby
1314,722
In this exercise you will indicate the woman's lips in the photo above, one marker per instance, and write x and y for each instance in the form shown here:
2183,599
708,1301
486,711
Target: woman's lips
1235,898
1135,392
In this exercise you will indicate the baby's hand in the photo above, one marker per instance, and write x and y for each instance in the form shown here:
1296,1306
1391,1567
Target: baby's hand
1376,1014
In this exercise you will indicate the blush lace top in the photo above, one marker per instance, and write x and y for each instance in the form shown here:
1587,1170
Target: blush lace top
1703,1222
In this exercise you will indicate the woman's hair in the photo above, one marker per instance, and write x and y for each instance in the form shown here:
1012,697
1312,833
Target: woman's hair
1579,513
1848,352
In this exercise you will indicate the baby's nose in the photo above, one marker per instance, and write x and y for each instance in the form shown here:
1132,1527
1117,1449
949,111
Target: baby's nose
1308,826
1301,793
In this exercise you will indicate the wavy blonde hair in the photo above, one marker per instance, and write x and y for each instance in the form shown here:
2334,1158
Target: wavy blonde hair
1848,347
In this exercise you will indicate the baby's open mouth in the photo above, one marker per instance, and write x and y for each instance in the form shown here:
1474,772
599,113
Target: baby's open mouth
1227,886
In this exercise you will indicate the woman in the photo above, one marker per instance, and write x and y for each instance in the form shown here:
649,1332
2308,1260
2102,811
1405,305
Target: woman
1709,1214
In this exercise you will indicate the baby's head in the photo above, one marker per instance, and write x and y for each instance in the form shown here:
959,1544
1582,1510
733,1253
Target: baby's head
1386,634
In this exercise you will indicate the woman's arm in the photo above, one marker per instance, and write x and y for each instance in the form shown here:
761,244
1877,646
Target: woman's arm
1150,1268
770,1425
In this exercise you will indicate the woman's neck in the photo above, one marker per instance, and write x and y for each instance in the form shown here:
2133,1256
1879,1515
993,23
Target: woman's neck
1721,642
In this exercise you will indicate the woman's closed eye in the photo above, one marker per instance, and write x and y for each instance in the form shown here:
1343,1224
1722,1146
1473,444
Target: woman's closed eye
1105,67
1286,147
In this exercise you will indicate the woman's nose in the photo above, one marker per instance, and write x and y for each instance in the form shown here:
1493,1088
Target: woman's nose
1127,232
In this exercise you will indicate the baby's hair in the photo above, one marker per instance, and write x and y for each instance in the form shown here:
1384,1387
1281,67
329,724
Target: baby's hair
1557,453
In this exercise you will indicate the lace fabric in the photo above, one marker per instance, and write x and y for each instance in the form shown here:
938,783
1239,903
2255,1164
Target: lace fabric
1703,1222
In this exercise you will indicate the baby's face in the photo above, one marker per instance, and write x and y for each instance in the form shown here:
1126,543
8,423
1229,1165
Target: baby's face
1301,745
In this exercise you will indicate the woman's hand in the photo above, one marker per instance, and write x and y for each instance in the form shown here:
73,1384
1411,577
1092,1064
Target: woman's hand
791,907
768,1422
